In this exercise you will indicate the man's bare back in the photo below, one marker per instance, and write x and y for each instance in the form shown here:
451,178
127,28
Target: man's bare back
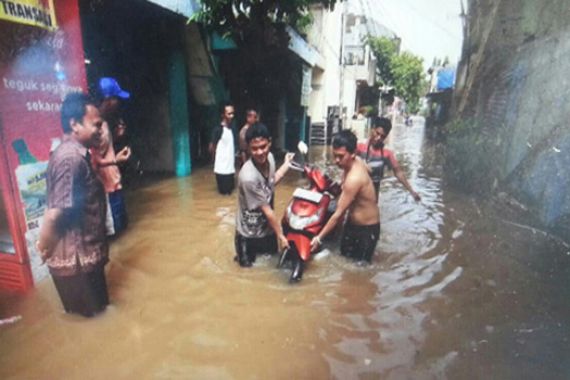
363,210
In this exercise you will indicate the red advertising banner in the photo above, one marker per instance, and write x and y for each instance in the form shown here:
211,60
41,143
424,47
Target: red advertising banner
38,67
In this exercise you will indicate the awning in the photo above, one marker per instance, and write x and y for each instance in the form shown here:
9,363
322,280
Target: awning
305,51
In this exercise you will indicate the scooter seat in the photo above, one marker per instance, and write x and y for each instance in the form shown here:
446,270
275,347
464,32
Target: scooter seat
311,196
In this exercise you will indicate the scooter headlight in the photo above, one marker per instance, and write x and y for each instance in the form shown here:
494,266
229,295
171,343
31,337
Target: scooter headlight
300,222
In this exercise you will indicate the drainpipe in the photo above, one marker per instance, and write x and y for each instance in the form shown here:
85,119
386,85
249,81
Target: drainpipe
342,33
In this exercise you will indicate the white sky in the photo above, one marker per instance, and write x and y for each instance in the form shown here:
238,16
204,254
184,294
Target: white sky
428,28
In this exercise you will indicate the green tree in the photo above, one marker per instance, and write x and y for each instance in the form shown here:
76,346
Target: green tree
261,70
402,71
409,80
263,20
385,49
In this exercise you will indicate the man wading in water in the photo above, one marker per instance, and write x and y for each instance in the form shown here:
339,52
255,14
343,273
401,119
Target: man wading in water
378,158
258,229
358,198
72,236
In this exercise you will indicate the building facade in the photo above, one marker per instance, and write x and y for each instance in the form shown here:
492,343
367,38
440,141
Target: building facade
66,46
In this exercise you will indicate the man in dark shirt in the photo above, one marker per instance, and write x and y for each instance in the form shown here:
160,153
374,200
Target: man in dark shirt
72,236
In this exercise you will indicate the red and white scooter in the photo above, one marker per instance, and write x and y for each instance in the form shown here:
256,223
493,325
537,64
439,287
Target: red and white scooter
306,215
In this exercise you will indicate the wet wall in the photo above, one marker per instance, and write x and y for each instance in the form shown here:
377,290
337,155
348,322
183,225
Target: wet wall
512,105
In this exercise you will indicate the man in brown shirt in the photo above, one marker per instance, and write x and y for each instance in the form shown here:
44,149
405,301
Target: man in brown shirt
72,237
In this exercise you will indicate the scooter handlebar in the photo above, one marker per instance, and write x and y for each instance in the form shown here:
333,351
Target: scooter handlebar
296,166
318,178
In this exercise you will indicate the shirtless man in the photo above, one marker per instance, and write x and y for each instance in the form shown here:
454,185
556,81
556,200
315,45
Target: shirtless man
358,197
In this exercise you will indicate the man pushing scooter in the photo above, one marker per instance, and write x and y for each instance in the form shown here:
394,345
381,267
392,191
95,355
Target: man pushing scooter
358,197
257,228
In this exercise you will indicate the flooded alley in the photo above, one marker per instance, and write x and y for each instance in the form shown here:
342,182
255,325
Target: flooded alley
460,288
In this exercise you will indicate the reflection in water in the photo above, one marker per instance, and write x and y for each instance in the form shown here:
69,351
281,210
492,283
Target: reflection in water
453,292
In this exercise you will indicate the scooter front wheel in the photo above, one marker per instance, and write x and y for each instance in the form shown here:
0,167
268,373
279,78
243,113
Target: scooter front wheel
298,268
283,259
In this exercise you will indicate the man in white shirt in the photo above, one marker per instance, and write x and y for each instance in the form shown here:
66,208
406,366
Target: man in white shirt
223,148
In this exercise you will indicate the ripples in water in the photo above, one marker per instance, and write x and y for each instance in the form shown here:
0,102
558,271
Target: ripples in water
448,294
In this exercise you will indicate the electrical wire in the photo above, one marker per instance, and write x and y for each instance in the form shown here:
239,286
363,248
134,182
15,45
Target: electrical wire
423,17
387,19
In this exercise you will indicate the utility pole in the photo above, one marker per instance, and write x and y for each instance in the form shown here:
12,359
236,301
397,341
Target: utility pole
342,48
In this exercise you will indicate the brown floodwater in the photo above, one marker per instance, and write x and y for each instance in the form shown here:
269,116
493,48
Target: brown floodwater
460,288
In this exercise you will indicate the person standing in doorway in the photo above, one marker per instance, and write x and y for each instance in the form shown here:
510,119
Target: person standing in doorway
377,157
358,199
258,230
106,164
223,148
110,108
251,117
114,139
72,236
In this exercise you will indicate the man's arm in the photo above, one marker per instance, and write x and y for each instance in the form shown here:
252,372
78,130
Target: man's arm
243,156
64,176
212,150
242,144
399,173
216,134
49,235
120,158
280,173
349,191
275,225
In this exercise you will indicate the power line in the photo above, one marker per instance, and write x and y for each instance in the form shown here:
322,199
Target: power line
363,12
368,11
422,16
387,16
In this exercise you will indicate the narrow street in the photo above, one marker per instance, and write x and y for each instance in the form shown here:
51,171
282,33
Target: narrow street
457,290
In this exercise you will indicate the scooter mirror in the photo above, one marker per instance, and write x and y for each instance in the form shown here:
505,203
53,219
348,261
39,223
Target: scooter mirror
298,162
302,147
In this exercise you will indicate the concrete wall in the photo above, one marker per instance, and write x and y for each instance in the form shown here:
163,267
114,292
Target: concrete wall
349,98
513,104
325,36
